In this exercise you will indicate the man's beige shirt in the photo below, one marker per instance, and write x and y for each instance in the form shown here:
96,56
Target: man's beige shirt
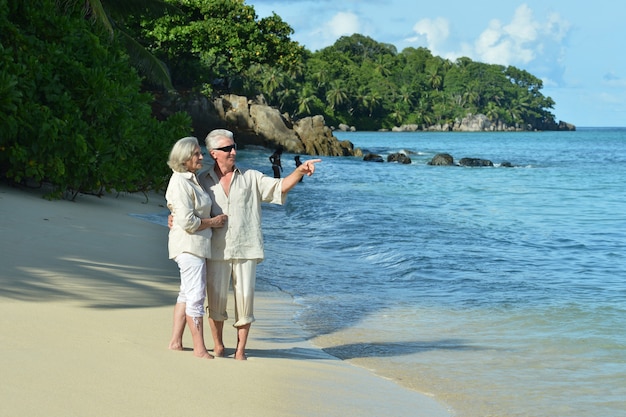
241,237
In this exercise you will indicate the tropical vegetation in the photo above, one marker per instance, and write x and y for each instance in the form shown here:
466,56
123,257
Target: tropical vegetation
79,80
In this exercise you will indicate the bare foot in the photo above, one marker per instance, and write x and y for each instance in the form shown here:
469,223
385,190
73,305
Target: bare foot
175,346
218,351
240,356
203,355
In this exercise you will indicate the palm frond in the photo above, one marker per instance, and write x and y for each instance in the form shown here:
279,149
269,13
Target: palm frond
155,70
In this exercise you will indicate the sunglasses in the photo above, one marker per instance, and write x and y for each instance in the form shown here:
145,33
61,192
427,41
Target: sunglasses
226,148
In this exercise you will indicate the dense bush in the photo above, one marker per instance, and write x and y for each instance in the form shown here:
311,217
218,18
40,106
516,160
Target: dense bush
71,109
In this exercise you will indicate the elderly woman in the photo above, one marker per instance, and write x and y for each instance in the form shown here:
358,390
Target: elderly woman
189,242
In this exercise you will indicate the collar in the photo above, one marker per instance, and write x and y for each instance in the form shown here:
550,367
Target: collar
211,172
187,174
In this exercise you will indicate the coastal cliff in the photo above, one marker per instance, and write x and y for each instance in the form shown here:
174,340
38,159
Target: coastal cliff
256,123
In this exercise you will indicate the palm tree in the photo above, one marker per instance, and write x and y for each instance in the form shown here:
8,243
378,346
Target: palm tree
381,66
321,76
337,95
272,80
397,113
110,15
492,111
434,78
306,100
406,95
374,101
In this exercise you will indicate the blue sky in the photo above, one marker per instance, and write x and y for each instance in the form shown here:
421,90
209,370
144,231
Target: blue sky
575,47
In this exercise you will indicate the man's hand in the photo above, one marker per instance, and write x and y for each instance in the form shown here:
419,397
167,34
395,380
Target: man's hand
308,167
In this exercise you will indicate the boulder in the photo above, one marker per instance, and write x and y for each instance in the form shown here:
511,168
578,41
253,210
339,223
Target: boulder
442,159
475,162
274,129
473,123
399,158
345,128
405,128
566,126
256,123
372,157
318,139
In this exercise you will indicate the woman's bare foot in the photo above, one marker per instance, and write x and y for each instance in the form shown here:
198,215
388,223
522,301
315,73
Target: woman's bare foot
175,345
240,355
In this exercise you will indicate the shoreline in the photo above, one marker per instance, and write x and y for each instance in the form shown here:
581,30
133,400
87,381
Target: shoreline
87,294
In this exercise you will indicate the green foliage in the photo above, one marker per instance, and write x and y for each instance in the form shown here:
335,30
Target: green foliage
217,39
220,45
72,106
73,115
361,82
111,15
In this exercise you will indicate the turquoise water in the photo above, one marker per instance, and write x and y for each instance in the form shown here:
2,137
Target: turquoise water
500,291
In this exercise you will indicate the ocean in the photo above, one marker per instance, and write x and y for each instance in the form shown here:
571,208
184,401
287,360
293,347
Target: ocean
500,291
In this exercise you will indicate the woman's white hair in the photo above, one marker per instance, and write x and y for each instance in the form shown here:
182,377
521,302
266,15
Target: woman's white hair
181,152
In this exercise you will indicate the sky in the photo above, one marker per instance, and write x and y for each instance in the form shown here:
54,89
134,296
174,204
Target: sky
575,47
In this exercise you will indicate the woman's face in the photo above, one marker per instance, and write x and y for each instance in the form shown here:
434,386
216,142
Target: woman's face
194,163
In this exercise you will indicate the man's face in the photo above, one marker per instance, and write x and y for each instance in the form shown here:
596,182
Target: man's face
226,153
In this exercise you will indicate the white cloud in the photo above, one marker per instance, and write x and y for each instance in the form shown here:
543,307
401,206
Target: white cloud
511,44
525,41
432,33
341,24
523,28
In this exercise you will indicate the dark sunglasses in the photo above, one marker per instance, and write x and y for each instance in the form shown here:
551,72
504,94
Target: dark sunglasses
226,148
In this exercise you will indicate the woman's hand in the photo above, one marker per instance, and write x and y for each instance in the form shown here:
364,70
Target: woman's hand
216,222
219,220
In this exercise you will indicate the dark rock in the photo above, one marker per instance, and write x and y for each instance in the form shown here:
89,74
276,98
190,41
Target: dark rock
372,157
442,159
475,162
566,126
399,158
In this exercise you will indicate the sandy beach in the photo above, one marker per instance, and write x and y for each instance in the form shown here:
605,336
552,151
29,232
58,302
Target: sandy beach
86,299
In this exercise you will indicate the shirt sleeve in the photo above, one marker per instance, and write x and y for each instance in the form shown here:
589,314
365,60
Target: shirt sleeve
271,189
181,202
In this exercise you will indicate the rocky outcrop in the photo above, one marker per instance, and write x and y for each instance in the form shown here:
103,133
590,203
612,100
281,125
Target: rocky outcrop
481,123
372,157
405,128
442,159
475,162
445,159
399,157
345,128
473,123
318,138
256,123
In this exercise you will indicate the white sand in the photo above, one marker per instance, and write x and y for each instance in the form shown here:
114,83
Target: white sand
86,299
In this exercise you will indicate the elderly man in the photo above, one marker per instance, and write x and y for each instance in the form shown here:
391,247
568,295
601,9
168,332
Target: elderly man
237,247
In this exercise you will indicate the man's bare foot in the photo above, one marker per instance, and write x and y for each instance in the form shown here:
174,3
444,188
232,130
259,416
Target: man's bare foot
203,355
175,346
218,351
241,355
